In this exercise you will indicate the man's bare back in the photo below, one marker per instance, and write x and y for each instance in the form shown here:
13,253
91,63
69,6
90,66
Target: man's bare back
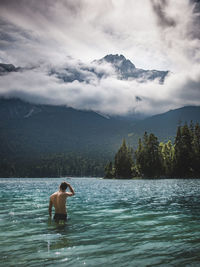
58,200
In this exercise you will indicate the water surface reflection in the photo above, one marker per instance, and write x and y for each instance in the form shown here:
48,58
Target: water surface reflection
127,223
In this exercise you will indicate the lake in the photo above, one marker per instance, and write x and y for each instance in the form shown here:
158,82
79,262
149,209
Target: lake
111,223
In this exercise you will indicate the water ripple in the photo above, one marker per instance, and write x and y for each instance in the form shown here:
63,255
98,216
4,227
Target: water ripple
111,222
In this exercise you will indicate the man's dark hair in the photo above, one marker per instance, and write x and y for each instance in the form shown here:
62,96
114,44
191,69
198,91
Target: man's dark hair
63,186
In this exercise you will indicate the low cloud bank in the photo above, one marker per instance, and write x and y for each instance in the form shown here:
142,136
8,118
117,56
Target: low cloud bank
152,35
105,93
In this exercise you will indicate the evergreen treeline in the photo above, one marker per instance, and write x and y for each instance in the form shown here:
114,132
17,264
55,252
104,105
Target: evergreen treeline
55,165
153,159
180,159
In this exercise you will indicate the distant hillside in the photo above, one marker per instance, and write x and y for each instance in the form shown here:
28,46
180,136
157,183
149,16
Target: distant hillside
32,130
39,129
164,125
41,140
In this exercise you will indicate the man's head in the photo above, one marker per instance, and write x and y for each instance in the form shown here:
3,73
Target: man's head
63,186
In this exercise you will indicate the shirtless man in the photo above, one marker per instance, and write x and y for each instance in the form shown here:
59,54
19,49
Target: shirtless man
58,200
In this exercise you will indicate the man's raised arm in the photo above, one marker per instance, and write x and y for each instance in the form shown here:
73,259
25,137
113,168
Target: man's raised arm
72,193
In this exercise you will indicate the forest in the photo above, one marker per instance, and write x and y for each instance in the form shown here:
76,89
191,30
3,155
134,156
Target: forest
152,159
53,165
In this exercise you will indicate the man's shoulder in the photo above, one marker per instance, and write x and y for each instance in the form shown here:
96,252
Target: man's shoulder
54,194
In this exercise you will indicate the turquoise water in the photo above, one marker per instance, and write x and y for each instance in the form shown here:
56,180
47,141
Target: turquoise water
111,223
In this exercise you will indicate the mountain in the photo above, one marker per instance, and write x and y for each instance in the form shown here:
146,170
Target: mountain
30,130
39,139
124,68
164,125
127,70
43,140
121,67
34,138
7,68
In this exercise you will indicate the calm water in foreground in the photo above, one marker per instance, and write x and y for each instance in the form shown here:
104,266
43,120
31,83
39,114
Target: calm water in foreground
111,223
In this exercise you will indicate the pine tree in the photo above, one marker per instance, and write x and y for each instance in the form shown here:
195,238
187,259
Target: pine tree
167,155
109,170
123,162
196,149
148,156
139,154
154,156
183,152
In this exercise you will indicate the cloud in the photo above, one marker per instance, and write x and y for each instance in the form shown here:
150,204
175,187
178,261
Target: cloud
53,39
83,29
164,20
107,94
180,36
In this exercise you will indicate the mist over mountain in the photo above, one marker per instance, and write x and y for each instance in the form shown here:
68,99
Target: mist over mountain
120,67
108,57
6,68
125,69
111,85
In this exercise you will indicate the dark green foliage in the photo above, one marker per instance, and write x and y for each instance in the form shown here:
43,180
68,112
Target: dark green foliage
123,162
167,157
196,150
183,152
55,165
41,140
109,171
164,125
154,159
32,137
148,156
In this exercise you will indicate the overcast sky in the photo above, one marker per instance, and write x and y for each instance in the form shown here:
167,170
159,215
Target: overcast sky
153,34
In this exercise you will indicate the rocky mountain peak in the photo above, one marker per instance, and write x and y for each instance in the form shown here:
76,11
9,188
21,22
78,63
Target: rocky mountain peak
7,68
125,69
119,62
